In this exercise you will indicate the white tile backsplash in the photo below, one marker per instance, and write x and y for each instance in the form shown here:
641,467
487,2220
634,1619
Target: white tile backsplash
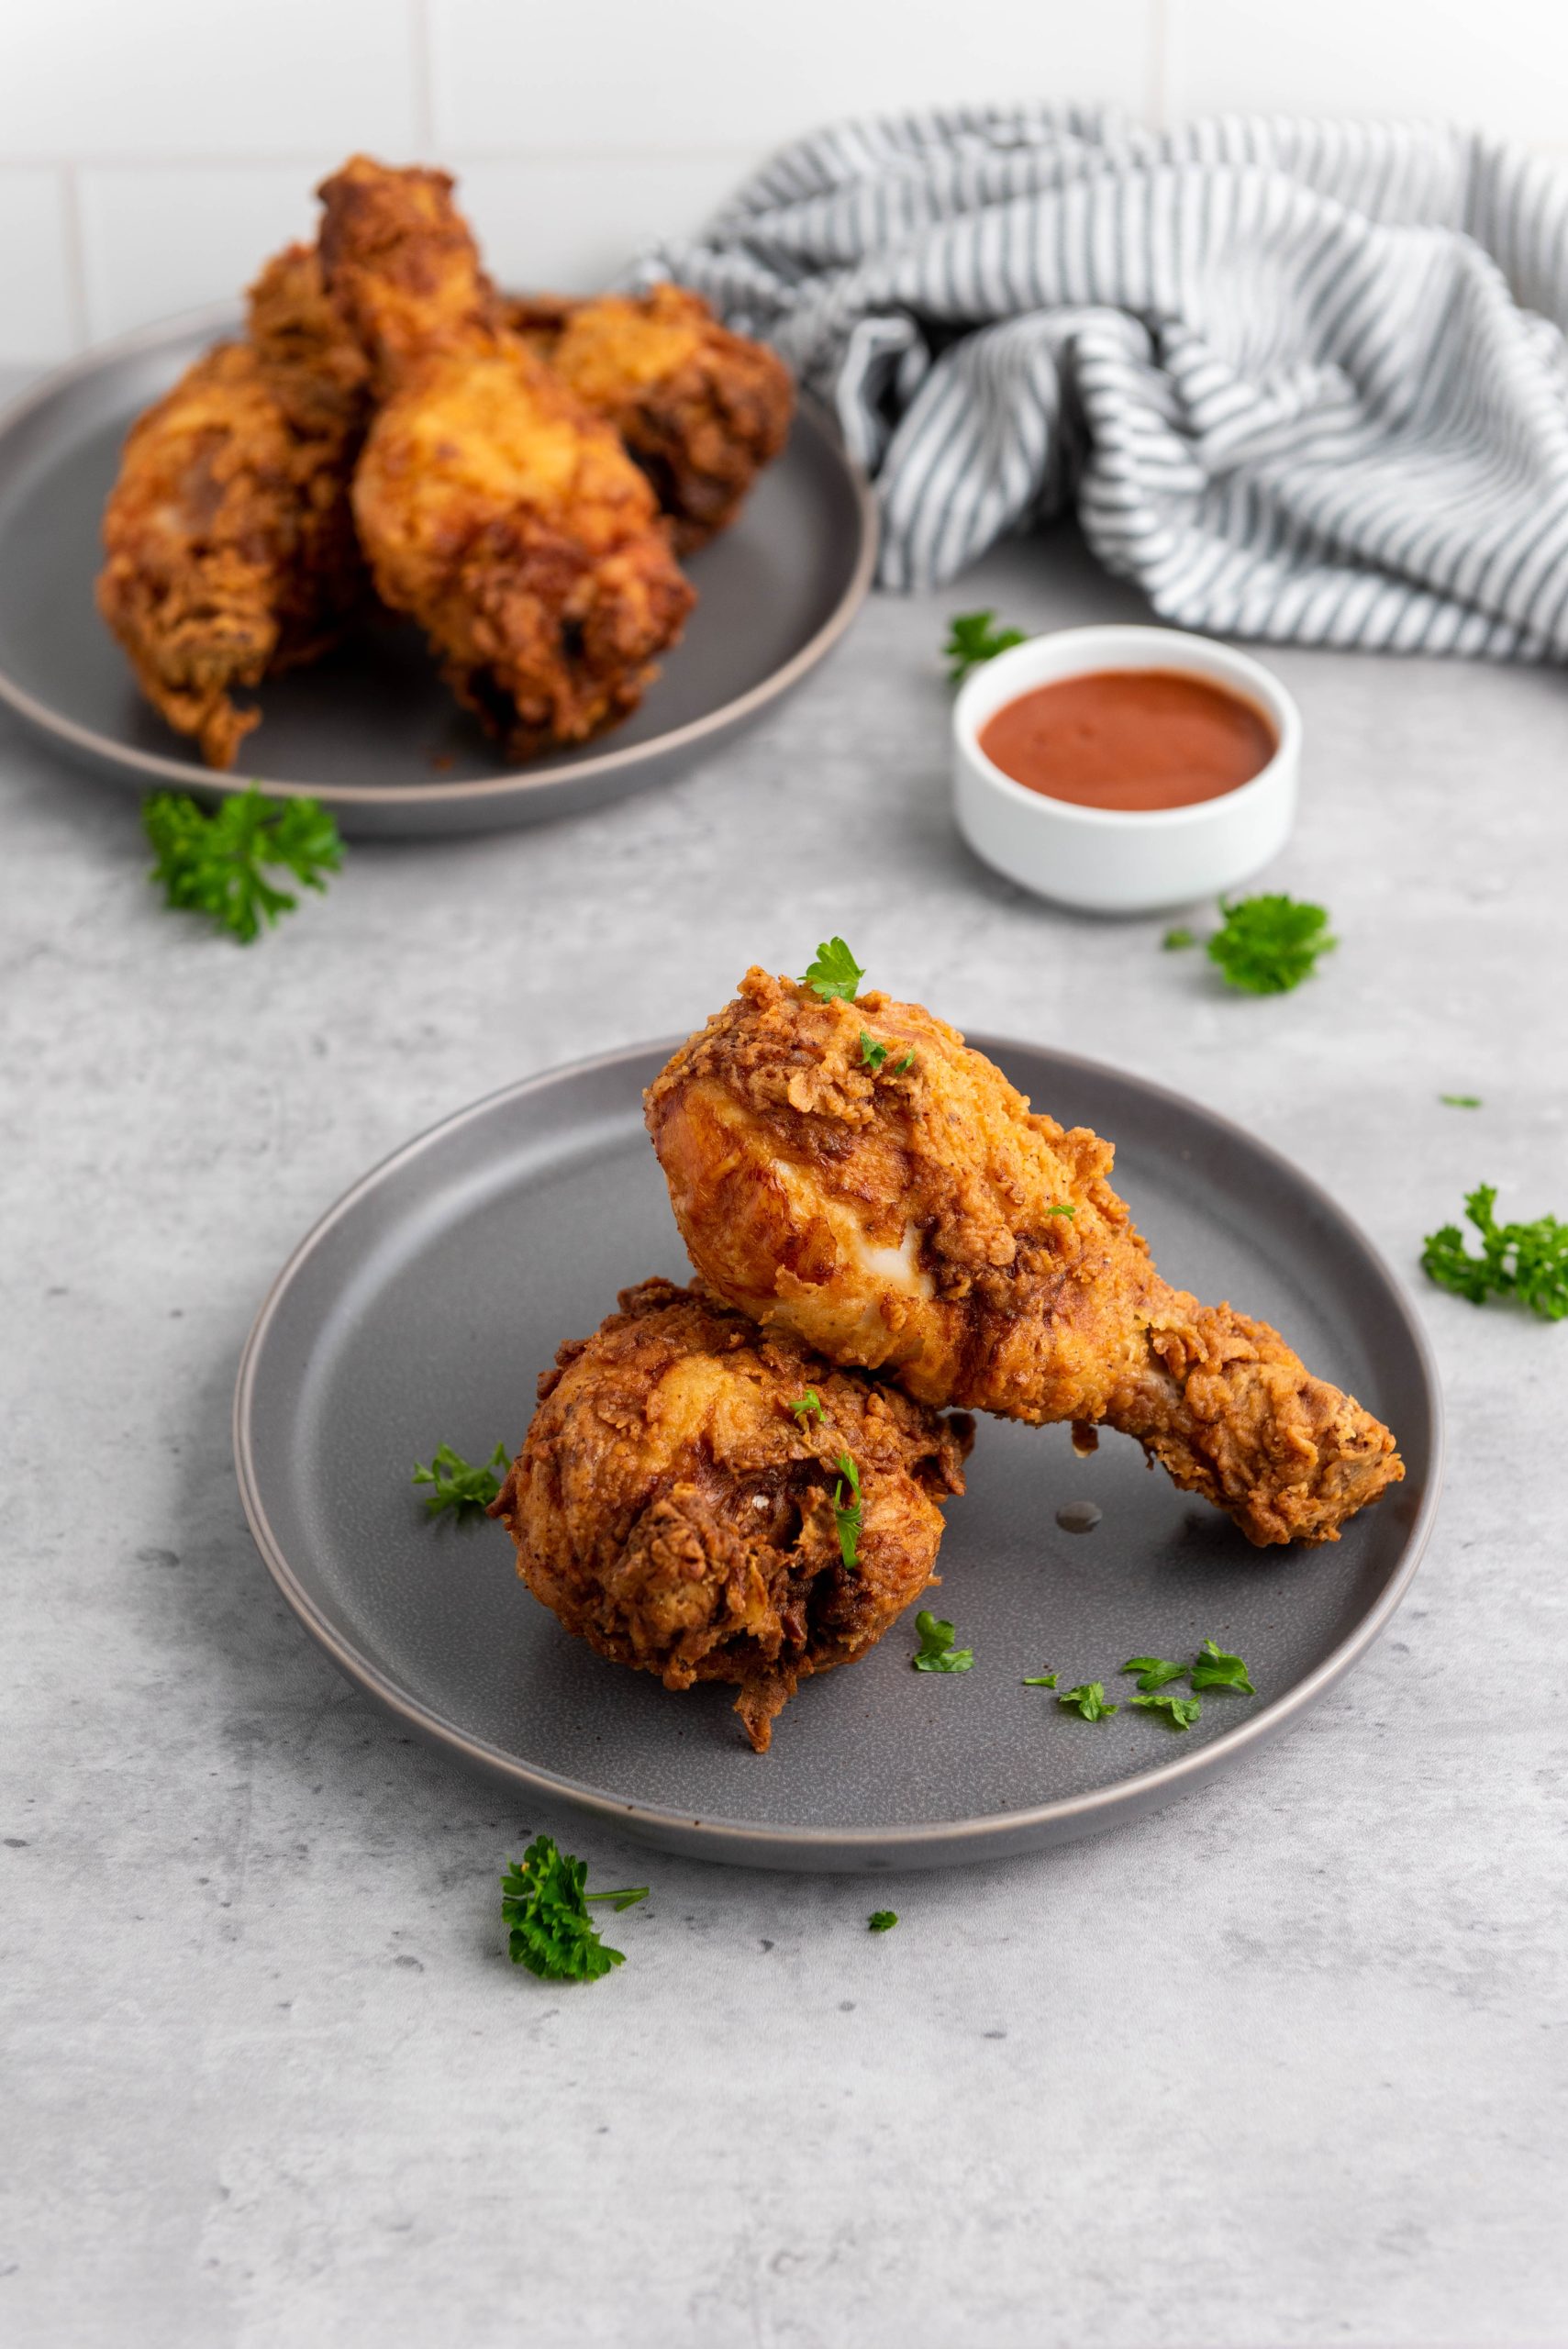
160,238
153,151
1503,64
204,78
534,74
568,225
37,298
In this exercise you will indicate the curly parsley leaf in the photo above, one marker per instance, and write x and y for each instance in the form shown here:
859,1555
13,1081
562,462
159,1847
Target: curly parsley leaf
1217,1668
465,1489
972,640
1174,939
881,1921
903,1067
872,1054
543,1902
848,1510
215,863
1153,1671
835,971
1089,1699
804,1404
1269,944
1180,1711
937,1652
1529,1261
1461,1101
1042,1679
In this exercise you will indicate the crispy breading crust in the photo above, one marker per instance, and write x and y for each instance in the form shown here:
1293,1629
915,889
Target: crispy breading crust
494,507
228,548
671,1509
399,261
702,410
901,1218
230,538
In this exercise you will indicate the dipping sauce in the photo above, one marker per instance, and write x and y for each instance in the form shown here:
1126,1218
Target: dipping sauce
1130,738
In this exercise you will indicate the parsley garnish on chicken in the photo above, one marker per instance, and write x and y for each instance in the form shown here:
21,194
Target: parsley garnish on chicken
835,971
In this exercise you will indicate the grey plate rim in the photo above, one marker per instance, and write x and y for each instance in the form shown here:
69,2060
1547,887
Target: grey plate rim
106,752
741,1842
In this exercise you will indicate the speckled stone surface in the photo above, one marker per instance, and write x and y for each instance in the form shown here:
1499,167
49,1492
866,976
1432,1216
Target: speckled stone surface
1286,2065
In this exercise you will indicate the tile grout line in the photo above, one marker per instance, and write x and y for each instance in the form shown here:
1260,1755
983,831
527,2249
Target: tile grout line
301,159
75,252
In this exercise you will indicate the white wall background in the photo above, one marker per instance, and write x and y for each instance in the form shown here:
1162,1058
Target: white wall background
152,153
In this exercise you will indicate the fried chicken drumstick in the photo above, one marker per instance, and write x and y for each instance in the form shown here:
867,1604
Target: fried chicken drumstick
701,410
494,507
916,1215
230,538
674,1511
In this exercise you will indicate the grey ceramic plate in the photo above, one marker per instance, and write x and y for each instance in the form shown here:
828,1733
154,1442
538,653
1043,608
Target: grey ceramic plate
423,1307
371,730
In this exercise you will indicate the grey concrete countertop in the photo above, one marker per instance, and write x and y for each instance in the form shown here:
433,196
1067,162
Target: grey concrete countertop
1287,2064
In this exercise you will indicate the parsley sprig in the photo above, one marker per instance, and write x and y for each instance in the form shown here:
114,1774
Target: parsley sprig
872,1054
881,1921
804,1404
848,1510
972,639
543,1902
215,863
1269,944
1529,1261
936,1652
834,973
461,1487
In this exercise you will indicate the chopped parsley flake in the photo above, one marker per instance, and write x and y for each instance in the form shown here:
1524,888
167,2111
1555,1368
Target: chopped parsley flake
1089,1700
1215,1668
937,1652
460,1487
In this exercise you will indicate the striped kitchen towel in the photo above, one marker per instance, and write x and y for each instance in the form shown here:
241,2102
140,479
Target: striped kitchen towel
1301,380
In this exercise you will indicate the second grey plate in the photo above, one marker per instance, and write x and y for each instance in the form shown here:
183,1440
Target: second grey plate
371,730
423,1307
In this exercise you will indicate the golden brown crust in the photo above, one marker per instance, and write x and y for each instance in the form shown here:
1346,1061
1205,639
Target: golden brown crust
399,261
493,506
230,543
514,528
901,1216
671,1509
702,410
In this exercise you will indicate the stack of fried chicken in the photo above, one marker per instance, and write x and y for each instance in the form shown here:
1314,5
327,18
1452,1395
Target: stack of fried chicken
519,476
883,1228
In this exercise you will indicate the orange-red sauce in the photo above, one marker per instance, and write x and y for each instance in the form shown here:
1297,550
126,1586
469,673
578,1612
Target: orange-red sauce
1130,738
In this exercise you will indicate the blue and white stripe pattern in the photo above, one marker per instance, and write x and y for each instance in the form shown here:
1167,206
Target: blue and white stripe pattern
1302,380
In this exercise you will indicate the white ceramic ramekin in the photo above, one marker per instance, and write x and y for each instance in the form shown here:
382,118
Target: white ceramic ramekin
1104,859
